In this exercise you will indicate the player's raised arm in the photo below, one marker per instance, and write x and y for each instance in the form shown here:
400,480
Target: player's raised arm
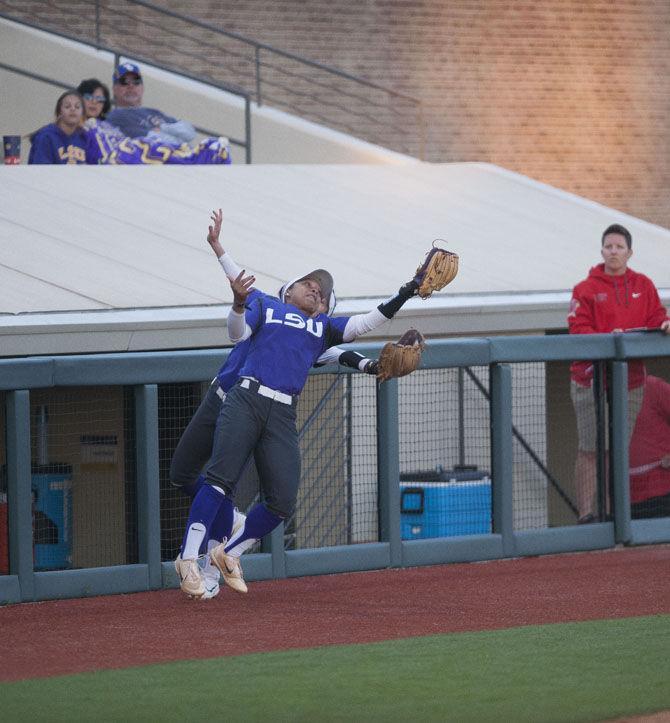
238,329
362,323
215,232
438,269
225,259
347,358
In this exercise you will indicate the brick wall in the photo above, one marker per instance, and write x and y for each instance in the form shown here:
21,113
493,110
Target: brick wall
575,93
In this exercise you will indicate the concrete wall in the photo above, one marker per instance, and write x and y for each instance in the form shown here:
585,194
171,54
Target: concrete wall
277,137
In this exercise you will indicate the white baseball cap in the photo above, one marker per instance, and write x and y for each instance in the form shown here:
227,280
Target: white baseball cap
325,281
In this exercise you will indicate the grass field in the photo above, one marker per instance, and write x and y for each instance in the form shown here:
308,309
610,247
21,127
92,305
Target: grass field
568,672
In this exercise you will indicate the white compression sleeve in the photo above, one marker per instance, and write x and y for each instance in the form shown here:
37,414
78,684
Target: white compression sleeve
361,323
238,329
229,266
330,356
348,358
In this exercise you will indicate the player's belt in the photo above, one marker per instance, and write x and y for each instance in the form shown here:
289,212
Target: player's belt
264,391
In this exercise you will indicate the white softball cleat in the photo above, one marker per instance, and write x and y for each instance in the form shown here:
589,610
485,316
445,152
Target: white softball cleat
210,576
230,568
190,577
210,572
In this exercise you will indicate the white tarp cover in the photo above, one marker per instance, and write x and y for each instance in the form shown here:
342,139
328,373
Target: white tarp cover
128,243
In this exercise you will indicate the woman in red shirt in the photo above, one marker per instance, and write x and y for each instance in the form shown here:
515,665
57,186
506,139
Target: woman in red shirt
613,298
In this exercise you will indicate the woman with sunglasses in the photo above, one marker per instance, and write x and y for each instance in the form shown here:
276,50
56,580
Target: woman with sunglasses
64,141
133,134
97,100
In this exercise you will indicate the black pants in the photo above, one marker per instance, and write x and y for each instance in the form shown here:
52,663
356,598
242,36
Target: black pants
653,507
198,441
249,422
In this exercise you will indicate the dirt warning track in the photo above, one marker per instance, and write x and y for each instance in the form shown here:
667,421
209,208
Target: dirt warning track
118,631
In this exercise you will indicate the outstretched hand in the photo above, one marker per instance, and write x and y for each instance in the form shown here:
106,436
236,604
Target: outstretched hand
241,287
214,232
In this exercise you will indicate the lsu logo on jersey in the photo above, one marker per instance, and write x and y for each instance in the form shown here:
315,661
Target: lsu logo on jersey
72,154
296,321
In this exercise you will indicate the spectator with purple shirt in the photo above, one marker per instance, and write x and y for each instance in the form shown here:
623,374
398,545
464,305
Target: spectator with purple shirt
64,141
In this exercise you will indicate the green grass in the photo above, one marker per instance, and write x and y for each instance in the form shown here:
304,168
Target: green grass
569,672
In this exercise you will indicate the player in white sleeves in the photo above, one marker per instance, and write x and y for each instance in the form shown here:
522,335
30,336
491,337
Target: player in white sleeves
202,439
258,415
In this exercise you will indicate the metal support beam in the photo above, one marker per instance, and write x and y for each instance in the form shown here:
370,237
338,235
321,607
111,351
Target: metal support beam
388,469
619,463
502,475
148,482
19,495
278,554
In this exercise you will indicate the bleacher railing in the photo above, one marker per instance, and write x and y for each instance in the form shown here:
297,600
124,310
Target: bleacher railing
142,378
203,51
244,143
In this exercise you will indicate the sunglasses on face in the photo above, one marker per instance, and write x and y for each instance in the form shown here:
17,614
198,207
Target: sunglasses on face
130,81
95,98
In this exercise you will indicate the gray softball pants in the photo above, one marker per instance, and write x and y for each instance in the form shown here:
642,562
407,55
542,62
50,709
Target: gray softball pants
251,423
198,441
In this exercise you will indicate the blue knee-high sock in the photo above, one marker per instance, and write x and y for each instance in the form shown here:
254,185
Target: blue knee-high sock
204,509
260,521
193,489
223,523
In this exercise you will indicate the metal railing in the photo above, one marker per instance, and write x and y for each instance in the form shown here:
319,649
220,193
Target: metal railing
210,54
244,143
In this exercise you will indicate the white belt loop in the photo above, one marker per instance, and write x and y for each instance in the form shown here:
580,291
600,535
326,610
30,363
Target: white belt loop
245,384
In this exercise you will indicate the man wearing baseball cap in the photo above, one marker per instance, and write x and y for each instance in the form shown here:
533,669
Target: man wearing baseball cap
136,121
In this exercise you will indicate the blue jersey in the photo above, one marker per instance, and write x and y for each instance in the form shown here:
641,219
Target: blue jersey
285,343
51,145
230,371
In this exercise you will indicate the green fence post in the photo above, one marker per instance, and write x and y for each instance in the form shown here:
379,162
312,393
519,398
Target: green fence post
148,482
19,494
276,547
388,468
502,471
619,462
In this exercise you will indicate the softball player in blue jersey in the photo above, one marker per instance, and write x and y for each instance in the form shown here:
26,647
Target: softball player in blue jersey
201,439
258,415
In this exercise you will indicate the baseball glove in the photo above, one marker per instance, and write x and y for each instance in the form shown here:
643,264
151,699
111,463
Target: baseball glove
402,357
438,269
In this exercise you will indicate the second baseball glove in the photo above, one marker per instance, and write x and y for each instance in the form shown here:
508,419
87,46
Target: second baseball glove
400,358
438,269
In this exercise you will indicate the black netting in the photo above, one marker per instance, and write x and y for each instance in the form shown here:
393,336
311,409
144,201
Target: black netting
84,509
445,453
337,501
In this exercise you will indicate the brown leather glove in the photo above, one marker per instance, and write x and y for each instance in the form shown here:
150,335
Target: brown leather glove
397,359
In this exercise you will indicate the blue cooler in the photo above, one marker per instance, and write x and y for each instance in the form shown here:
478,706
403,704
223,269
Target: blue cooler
52,516
445,503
